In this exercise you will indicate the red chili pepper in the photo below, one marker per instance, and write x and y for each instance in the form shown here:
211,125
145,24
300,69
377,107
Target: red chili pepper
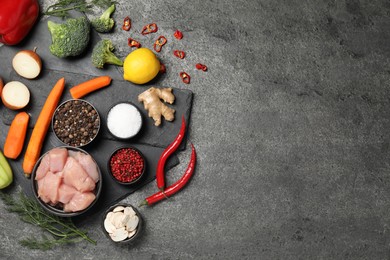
17,17
168,152
149,28
126,24
178,35
133,43
159,43
200,66
185,77
163,69
179,54
174,188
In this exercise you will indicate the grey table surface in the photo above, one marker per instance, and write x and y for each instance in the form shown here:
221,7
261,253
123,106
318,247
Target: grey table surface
291,125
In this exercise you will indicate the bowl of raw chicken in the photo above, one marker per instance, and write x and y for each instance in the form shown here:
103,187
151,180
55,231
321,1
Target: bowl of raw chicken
66,181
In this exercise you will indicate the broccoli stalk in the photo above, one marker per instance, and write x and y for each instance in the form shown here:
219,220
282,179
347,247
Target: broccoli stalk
102,54
104,23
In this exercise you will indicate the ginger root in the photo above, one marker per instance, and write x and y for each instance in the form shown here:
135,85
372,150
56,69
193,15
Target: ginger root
152,103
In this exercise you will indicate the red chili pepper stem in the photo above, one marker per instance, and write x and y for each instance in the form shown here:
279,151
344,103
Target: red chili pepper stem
168,152
177,186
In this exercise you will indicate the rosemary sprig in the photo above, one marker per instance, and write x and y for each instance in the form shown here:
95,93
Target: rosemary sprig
62,7
62,230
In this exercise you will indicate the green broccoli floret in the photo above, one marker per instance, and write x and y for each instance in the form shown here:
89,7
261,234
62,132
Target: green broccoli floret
104,23
102,54
70,38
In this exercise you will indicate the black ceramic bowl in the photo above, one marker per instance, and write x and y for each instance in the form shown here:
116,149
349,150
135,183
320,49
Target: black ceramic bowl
58,209
125,163
118,121
138,230
76,123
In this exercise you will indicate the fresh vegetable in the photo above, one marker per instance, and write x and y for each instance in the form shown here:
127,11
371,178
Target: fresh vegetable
133,43
200,66
178,35
62,7
159,43
70,38
141,66
17,17
89,86
126,24
174,188
179,54
16,135
27,63
41,126
121,223
185,77
172,147
163,69
6,175
102,54
15,95
104,23
149,28
63,230
154,106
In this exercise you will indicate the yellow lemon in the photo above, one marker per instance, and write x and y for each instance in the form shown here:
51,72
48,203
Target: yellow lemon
141,66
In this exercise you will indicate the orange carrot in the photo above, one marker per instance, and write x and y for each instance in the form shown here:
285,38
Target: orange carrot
89,86
41,126
16,134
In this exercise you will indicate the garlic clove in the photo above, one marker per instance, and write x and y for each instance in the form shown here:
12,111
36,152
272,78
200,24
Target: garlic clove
129,211
110,216
119,234
117,219
132,223
119,208
108,226
131,233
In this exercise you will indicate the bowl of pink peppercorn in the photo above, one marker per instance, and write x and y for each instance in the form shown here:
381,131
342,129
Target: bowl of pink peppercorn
127,165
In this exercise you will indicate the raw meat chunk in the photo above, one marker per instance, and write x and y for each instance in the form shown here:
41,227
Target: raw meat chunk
43,167
48,187
66,193
75,176
58,158
88,165
80,201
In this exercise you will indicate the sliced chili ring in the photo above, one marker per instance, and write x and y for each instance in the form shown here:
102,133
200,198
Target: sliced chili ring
179,54
149,28
126,24
201,66
133,43
159,43
163,69
178,35
185,77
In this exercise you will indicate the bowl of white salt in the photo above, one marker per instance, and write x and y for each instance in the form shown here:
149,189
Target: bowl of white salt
124,120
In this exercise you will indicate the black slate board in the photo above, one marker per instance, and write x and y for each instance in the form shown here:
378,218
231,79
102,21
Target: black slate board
150,141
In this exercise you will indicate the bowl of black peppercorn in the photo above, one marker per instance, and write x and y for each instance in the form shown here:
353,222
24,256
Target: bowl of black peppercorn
76,122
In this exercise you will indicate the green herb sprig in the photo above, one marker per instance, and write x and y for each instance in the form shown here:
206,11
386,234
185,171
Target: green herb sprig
62,7
63,230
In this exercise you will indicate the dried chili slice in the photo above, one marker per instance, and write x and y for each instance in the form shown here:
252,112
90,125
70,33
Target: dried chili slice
149,28
178,35
201,66
159,43
126,24
133,43
185,77
163,69
179,54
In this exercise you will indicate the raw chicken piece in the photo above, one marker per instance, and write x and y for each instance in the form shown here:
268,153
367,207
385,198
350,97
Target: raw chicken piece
48,187
75,176
80,201
88,165
66,193
58,158
43,167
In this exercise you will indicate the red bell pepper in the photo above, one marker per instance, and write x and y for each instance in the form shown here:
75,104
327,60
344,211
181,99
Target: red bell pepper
17,17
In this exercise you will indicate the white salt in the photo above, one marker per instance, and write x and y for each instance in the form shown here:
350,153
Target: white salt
124,120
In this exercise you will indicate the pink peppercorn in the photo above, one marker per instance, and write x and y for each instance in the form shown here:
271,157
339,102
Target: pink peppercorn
127,165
